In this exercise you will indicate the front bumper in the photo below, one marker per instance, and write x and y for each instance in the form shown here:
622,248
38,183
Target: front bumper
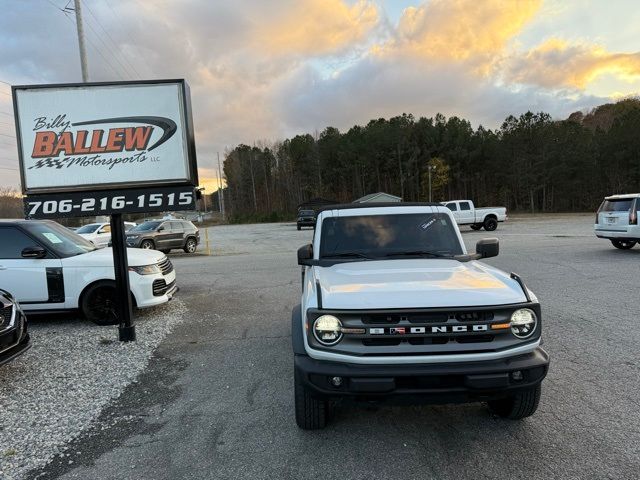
429,383
142,287
16,341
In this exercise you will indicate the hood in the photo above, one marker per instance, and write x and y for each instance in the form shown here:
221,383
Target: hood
87,235
415,283
104,258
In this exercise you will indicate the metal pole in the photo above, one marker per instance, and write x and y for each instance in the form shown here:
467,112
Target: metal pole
126,329
429,168
83,49
221,190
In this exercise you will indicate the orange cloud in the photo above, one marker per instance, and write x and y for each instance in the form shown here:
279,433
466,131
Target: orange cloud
458,30
555,63
317,27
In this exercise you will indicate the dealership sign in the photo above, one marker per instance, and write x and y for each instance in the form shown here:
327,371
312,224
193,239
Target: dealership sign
102,148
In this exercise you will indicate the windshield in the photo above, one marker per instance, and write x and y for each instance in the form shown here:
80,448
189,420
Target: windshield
145,227
379,236
616,205
92,227
61,240
306,213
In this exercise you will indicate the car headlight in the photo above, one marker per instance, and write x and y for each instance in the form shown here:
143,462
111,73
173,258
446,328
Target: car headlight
146,269
328,330
523,322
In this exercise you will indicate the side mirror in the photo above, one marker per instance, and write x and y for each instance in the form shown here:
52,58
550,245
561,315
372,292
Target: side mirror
488,247
305,255
161,229
34,252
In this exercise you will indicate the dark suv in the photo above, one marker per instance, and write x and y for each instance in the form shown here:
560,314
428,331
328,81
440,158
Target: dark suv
164,235
14,339
306,218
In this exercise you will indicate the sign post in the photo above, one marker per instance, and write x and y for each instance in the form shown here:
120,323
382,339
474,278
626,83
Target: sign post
126,328
107,148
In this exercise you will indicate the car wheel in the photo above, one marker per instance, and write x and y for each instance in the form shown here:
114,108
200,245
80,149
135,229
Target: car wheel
190,246
100,304
147,245
311,413
623,244
490,224
299,227
166,250
476,226
522,404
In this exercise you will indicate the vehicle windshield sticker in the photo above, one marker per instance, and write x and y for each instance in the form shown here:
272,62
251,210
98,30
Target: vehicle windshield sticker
426,225
52,237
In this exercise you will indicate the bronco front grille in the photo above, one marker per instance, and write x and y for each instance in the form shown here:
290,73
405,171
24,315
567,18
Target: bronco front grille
424,331
166,267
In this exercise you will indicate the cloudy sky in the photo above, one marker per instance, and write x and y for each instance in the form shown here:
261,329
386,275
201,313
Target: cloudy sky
267,69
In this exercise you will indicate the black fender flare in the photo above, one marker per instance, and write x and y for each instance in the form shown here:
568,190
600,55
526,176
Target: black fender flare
297,338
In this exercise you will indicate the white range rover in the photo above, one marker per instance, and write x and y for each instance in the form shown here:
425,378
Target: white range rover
617,220
47,267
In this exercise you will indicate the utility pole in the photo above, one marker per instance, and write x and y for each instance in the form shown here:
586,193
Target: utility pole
83,49
221,188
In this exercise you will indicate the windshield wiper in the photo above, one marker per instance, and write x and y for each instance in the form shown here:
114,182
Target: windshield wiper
421,253
347,255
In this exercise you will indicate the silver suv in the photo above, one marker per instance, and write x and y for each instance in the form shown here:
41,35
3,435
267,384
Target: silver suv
617,220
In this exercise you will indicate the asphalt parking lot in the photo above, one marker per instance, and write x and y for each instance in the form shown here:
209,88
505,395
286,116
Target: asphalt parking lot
217,401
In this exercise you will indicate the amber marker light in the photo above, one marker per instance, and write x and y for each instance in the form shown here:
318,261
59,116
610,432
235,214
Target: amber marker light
500,326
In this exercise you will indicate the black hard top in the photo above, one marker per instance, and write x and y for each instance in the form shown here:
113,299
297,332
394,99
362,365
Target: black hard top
350,206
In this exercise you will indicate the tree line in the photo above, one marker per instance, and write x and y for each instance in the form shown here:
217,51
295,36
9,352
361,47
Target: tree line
531,163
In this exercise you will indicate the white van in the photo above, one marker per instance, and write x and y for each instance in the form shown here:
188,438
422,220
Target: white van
617,220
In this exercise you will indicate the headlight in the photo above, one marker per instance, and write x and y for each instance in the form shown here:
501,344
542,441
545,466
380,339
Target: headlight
523,322
146,269
327,330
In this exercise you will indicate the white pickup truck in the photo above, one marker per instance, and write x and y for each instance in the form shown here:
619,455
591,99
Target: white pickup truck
466,213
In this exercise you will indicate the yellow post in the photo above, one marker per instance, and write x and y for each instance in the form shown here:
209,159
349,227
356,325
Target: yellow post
206,237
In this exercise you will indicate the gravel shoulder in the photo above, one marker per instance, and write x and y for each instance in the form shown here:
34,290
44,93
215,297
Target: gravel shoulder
58,388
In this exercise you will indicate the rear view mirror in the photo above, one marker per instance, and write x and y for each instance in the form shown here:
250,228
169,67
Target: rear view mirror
488,247
34,252
305,255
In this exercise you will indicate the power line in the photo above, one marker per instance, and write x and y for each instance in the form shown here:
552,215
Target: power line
118,25
97,50
110,37
124,68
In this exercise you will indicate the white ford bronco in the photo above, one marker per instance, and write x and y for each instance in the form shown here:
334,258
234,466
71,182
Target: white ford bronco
393,307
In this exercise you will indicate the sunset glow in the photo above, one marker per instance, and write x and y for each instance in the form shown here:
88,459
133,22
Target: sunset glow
267,70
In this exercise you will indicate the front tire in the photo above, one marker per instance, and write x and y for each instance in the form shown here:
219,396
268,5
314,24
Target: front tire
299,227
521,405
490,224
623,244
147,245
190,246
100,305
311,413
